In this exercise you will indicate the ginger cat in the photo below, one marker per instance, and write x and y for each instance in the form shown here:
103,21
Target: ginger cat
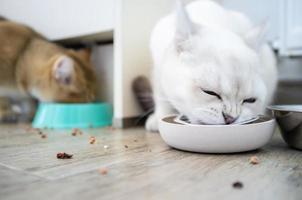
31,65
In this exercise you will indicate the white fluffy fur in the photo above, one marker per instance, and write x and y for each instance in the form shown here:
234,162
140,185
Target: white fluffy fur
206,47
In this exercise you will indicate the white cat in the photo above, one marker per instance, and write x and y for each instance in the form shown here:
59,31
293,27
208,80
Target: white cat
210,64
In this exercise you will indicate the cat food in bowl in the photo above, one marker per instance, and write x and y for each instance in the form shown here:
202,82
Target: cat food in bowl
73,115
217,138
289,118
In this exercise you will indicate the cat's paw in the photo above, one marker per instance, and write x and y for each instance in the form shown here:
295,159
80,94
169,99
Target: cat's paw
152,123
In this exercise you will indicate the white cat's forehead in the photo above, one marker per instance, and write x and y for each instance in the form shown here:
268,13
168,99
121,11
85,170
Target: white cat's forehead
225,80
236,84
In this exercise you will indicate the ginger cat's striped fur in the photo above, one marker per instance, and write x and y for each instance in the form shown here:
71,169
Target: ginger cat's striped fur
31,65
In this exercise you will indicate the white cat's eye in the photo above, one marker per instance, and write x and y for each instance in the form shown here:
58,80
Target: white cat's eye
249,100
212,93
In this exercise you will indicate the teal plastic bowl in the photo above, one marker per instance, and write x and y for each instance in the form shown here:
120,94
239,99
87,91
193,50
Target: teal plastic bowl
78,115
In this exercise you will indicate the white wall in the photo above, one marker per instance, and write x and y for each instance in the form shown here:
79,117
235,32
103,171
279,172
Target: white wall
134,22
60,19
291,27
284,17
102,58
259,11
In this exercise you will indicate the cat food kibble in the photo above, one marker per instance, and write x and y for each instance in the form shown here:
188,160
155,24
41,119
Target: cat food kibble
92,140
43,136
76,132
254,160
237,185
63,155
103,171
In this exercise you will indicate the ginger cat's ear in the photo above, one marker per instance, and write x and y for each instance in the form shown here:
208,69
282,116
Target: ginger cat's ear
85,54
63,69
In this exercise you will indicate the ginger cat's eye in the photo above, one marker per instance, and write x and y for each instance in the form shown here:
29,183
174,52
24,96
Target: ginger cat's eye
212,93
249,100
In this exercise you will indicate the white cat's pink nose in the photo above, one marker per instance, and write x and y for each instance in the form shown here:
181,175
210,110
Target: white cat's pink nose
228,118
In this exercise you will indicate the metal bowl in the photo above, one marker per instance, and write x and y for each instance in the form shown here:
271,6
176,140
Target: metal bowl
289,119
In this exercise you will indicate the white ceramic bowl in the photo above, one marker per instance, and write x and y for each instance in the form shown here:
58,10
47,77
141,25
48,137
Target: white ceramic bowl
216,138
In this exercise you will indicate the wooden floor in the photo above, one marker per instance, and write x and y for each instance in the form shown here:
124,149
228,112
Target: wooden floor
140,166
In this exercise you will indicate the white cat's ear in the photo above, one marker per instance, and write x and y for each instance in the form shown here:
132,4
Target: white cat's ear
255,37
63,69
185,28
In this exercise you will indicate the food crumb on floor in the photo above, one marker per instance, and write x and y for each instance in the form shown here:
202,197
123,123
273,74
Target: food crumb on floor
254,160
76,132
126,146
63,155
103,170
43,136
237,185
106,146
92,140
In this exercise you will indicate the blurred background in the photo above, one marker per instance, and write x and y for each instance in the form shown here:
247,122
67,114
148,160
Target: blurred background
118,32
